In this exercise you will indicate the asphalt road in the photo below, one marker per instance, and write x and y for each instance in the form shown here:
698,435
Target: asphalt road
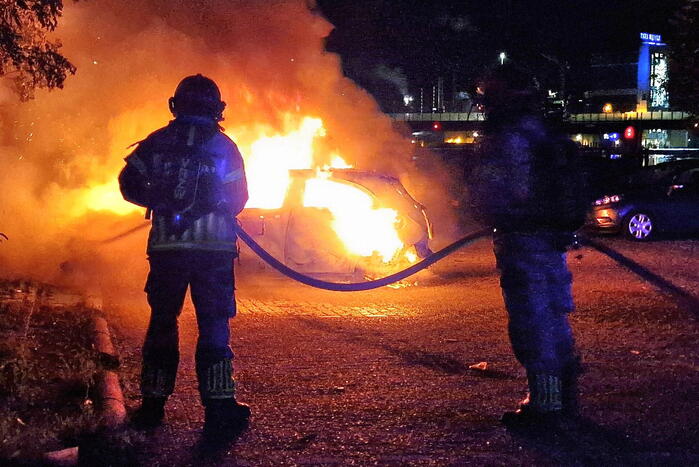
383,377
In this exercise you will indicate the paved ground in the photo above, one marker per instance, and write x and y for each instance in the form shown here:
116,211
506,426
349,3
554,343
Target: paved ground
383,377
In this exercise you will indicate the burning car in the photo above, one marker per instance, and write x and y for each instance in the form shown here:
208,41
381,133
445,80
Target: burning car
342,222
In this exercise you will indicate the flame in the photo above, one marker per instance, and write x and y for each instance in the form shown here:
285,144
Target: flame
411,256
270,158
104,197
363,229
402,285
337,162
462,139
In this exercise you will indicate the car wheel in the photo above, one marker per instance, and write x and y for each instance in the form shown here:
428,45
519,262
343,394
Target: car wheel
639,226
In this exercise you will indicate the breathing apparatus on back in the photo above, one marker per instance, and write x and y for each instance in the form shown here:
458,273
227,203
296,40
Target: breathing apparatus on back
189,186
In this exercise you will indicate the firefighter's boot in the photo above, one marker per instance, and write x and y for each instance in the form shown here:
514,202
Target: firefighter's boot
225,418
157,384
543,407
150,414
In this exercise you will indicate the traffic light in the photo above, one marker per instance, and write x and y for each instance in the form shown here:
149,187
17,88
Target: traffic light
630,132
436,126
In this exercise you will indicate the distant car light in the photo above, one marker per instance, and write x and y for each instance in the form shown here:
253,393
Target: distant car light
608,200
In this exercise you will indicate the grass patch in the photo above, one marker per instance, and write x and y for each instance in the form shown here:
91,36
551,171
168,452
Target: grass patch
47,368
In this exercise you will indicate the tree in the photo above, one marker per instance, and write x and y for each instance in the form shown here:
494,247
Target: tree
683,85
27,55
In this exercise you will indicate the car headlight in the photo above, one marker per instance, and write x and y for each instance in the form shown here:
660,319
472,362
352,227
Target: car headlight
608,200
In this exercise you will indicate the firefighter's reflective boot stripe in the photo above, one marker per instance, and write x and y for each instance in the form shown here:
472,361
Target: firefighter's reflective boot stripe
157,382
545,393
216,380
543,408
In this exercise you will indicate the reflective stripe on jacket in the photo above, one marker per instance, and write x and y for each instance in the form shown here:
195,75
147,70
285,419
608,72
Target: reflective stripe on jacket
211,232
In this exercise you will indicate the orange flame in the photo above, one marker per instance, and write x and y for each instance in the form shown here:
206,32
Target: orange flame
104,197
363,229
269,159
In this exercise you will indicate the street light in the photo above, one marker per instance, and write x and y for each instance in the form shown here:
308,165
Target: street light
502,58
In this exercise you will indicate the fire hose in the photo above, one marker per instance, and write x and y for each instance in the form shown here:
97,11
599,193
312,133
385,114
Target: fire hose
685,298
340,286
359,286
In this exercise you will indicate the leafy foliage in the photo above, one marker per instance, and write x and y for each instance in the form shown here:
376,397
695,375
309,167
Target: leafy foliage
683,85
27,54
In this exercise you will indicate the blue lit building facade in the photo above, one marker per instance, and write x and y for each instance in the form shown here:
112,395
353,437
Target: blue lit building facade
652,73
629,90
628,82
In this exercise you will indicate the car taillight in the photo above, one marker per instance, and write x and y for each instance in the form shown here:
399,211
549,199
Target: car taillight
608,200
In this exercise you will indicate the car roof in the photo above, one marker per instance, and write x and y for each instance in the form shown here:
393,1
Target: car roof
660,173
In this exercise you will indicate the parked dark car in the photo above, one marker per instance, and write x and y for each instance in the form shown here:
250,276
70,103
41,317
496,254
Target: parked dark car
660,198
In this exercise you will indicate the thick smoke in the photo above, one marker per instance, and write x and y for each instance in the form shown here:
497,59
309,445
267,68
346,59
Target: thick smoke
269,60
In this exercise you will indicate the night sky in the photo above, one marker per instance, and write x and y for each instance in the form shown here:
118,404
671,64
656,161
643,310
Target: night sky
389,44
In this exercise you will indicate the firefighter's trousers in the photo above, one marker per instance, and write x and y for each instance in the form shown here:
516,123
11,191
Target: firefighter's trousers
209,275
536,287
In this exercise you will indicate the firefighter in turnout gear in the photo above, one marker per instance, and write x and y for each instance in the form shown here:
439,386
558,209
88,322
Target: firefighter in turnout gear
529,187
189,176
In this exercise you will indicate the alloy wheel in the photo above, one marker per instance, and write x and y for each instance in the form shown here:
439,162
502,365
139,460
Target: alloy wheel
640,226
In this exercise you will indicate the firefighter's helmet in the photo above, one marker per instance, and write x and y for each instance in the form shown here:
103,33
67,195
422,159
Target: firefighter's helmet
197,95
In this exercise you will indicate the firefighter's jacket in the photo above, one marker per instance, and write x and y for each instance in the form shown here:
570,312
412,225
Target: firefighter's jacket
148,167
528,179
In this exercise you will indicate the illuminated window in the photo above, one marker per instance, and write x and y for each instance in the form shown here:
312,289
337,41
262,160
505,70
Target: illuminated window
658,81
655,138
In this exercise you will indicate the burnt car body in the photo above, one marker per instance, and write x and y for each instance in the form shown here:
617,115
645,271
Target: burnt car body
302,237
656,199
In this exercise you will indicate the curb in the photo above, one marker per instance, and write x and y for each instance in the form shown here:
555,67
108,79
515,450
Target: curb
110,399
63,458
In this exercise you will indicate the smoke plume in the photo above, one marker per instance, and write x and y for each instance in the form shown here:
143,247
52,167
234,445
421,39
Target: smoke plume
394,76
